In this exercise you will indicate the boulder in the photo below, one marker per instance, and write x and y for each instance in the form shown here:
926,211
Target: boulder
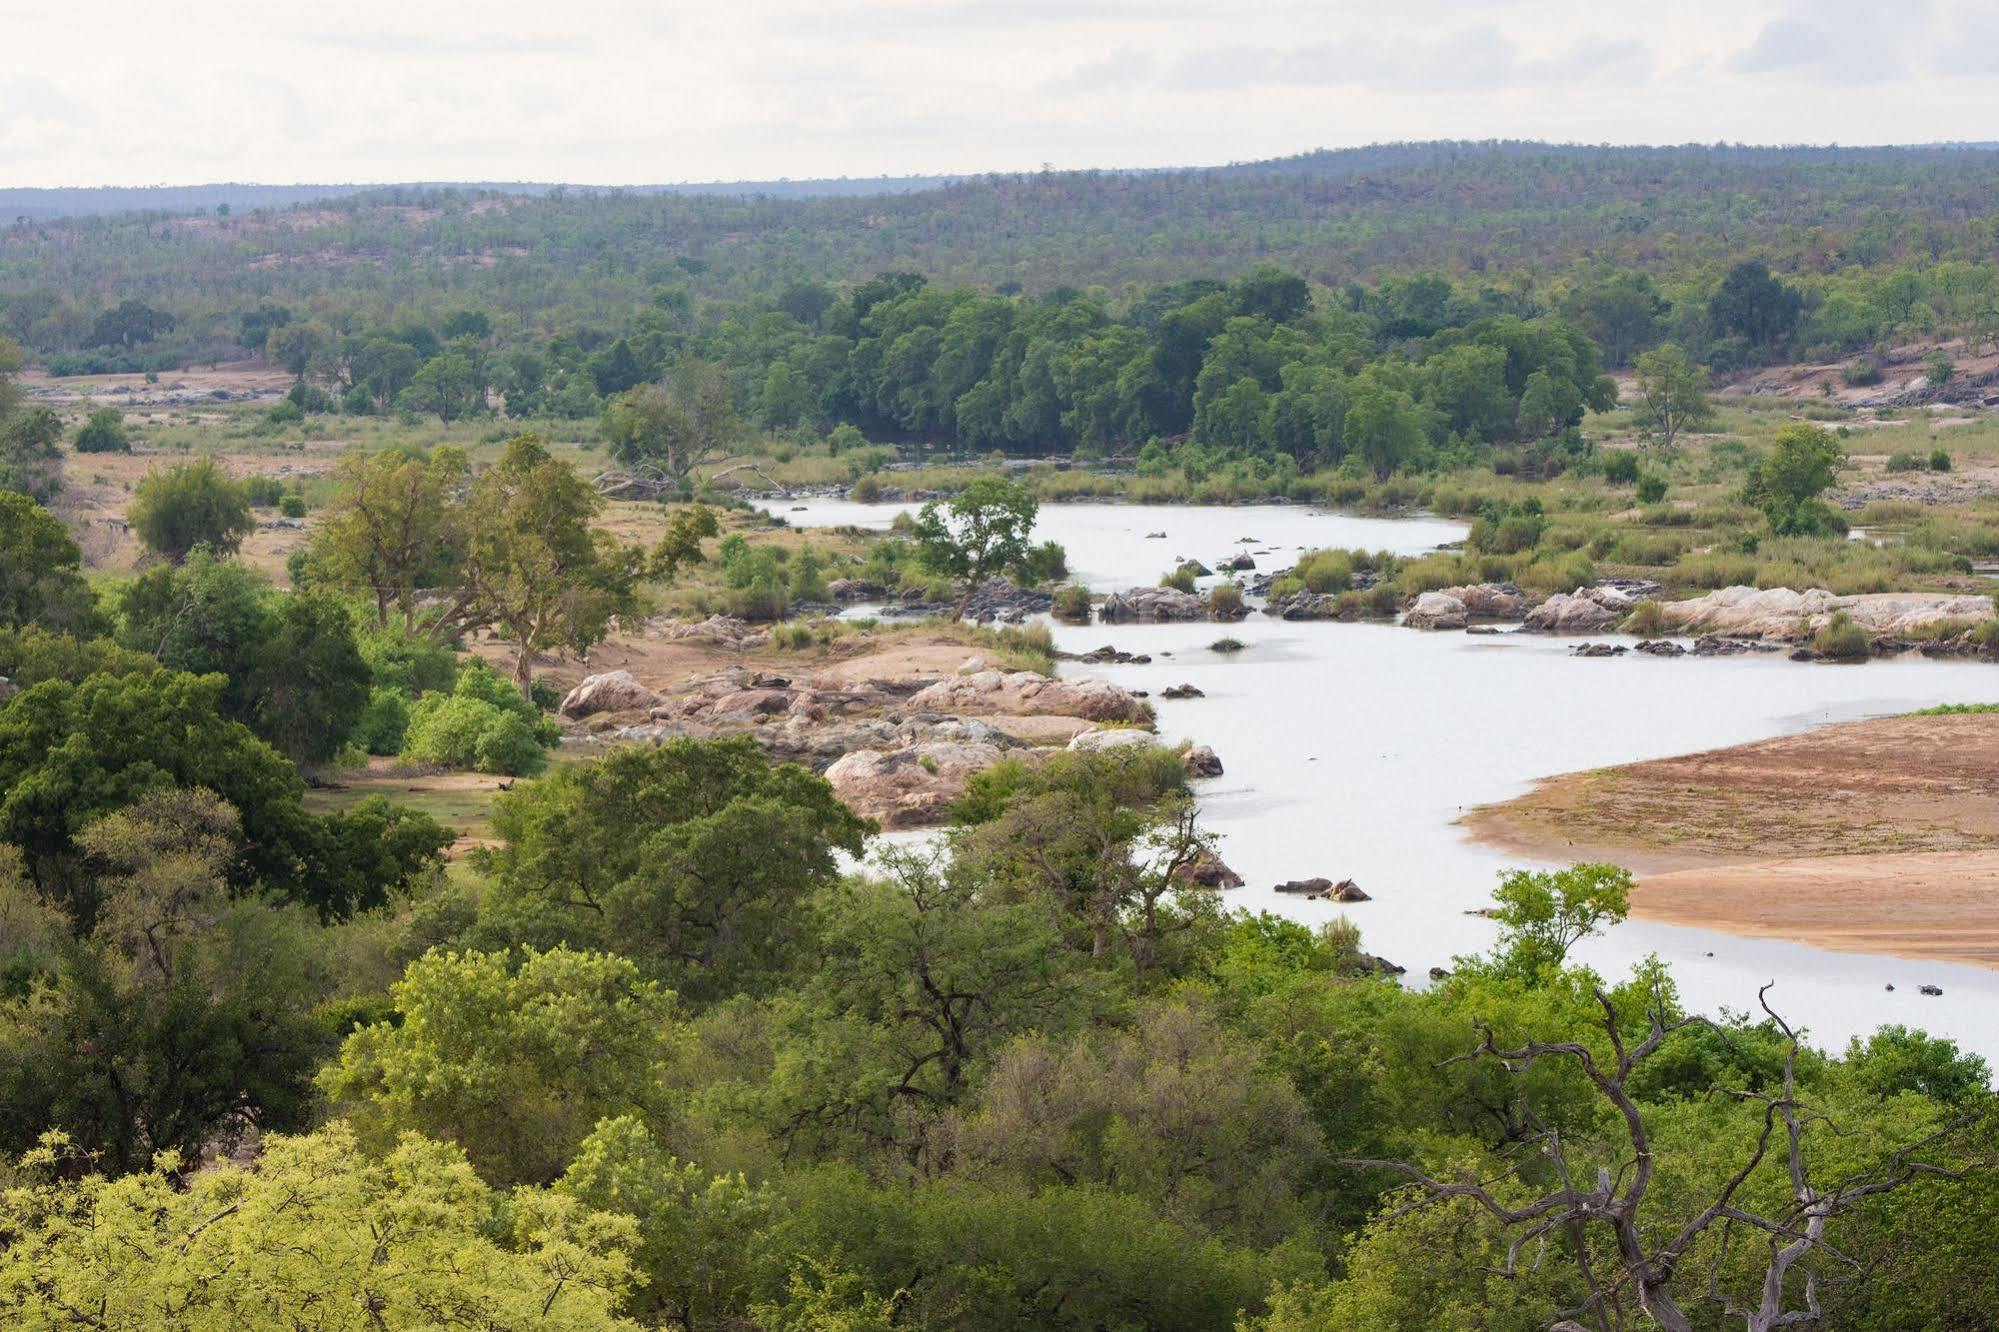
1598,650
613,691
908,787
1304,605
1115,738
1243,563
1490,601
756,702
1437,610
1305,887
1324,890
1206,870
1587,610
1781,613
1930,989
1149,604
1203,762
1181,691
855,589
1660,647
1029,693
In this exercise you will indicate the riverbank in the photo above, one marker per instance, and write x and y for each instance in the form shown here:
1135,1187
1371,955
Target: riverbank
1871,837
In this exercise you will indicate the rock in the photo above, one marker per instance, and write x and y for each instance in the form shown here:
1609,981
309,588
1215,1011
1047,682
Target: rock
1439,974
1930,989
1155,536
1311,606
1207,871
1002,600
911,786
1324,890
1151,604
1368,964
1598,650
1181,691
753,702
1587,610
1781,613
1029,693
1198,569
1115,738
1490,601
1202,762
1660,647
855,589
971,665
1242,563
1719,647
1346,890
613,691
1110,656
1437,610
1306,887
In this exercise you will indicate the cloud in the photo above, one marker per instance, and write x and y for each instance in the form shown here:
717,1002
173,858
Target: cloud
431,45
1120,68
1847,40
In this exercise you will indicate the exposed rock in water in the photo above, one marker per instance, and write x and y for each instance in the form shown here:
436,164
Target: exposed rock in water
1207,871
1110,656
1029,693
1181,691
1781,613
1930,989
909,787
1112,738
1490,601
1311,606
1587,610
1242,563
1661,647
613,691
1203,762
1437,610
1325,890
1598,650
1150,604
1002,600
1439,974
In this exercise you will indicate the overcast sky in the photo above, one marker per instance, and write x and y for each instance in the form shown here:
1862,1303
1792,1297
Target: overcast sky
135,92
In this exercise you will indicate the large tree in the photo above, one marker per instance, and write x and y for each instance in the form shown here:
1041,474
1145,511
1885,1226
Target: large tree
41,578
189,505
1672,395
672,427
979,531
392,530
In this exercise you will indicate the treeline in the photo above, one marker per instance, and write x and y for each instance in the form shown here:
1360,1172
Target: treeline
1880,243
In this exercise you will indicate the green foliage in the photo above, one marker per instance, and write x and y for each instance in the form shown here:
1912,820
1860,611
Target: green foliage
104,432
1180,578
41,578
318,1233
515,1059
1840,639
482,724
1542,914
1651,488
978,532
1672,395
188,505
1803,462
1072,604
1939,460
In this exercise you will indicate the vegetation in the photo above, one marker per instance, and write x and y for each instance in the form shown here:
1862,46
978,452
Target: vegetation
190,505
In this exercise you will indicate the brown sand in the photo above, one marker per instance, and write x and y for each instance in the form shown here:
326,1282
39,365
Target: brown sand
1875,837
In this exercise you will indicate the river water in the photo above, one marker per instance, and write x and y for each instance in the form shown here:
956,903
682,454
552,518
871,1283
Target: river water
1352,749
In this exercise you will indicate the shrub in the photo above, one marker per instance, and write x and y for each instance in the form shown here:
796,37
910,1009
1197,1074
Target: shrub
1326,571
1904,462
1862,372
384,722
1840,639
1939,460
292,505
1072,605
191,505
1225,601
1226,645
1939,369
262,492
1646,619
1651,488
1180,579
866,490
483,723
285,413
1620,468
104,432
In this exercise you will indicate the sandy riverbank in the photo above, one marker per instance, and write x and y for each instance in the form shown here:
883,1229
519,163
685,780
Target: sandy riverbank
1874,837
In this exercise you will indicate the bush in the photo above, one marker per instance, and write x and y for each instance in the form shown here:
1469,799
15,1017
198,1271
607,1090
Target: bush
1180,579
385,722
1646,619
1072,605
1939,460
1045,563
1651,488
1620,468
866,490
1904,462
1939,369
1225,601
285,413
483,724
262,492
1840,639
1326,571
292,505
104,432
194,504
1862,373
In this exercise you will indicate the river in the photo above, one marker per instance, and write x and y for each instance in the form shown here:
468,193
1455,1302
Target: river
1352,749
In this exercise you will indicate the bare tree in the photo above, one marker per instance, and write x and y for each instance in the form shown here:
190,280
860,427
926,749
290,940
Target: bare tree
1644,1263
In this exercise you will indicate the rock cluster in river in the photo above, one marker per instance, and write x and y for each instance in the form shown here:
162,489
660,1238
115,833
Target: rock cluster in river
1587,610
1152,605
1781,613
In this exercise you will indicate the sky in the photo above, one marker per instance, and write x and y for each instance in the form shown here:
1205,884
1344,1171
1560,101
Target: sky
136,92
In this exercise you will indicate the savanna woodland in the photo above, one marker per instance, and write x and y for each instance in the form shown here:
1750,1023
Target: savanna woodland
350,978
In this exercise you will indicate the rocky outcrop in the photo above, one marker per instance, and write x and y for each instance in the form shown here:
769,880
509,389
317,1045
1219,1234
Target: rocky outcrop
1029,693
912,786
1181,691
1660,647
1598,650
724,630
1001,599
1206,870
1324,890
1587,610
1489,601
1151,604
1781,613
613,691
855,589
1243,563
1437,610
1112,739
1203,762
1311,606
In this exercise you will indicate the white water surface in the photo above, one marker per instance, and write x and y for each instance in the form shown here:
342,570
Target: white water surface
1352,749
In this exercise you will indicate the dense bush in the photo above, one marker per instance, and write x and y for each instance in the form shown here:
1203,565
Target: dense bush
104,432
189,505
1840,639
483,724
1072,604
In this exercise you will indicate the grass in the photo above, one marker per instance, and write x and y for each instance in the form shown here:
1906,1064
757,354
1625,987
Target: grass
1954,710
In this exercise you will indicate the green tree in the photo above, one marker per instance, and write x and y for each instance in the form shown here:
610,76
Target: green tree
449,386
983,529
675,426
1542,914
316,1234
515,1059
1803,462
1753,303
1383,426
41,571
30,452
188,505
104,432
1672,395
298,347
393,530
532,566
130,324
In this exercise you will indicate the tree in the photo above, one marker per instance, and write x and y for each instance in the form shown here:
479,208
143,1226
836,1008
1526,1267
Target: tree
1383,426
30,456
1802,464
129,324
104,432
41,578
981,530
1620,311
674,426
1672,395
297,347
1754,304
189,505
317,1234
532,565
1648,1249
699,859
449,386
1544,913
514,1059
392,530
